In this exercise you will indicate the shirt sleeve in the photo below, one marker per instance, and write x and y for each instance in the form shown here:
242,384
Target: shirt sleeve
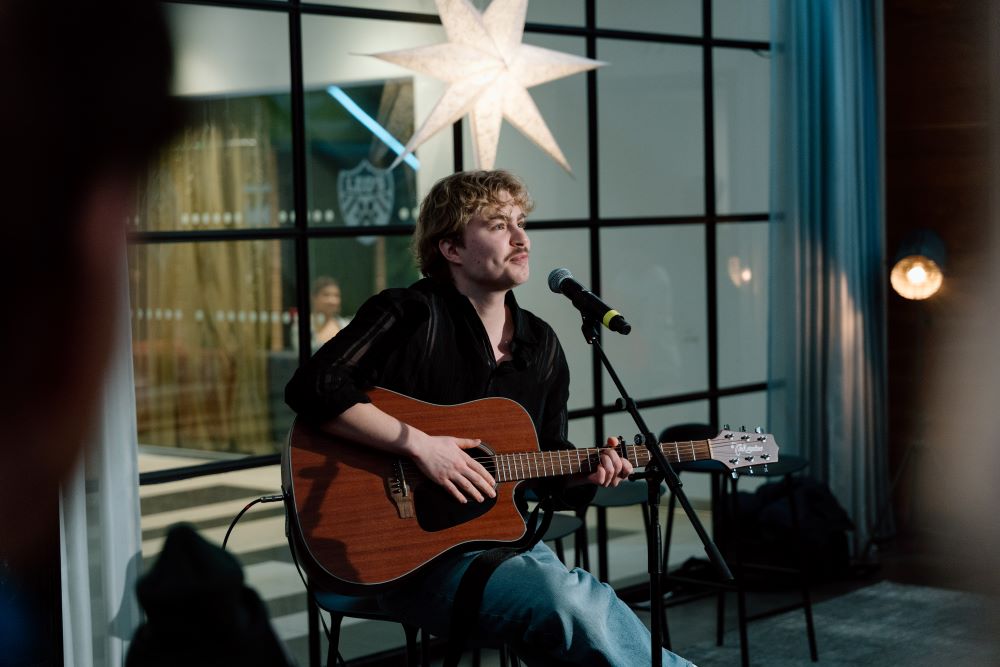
354,360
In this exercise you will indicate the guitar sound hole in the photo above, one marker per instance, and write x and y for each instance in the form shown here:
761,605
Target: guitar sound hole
438,510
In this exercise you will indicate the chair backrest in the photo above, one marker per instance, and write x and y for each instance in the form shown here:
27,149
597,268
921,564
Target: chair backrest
689,431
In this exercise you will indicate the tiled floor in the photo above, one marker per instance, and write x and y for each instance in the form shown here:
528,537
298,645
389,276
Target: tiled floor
209,503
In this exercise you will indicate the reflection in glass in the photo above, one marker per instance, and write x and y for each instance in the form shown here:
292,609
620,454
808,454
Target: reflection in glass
360,267
651,145
209,323
354,133
655,276
742,278
229,169
357,107
742,120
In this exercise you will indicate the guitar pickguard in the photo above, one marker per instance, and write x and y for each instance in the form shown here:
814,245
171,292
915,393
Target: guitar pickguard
438,510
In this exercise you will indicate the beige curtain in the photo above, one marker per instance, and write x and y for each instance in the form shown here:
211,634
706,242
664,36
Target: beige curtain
206,314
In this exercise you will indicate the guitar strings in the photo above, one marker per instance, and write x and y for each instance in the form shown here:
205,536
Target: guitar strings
512,463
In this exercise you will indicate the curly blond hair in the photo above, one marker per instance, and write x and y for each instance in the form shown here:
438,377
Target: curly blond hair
449,206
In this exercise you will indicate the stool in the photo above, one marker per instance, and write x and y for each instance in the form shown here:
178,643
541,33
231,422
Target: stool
724,518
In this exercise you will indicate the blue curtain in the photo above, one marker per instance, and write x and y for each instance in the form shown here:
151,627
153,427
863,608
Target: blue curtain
827,352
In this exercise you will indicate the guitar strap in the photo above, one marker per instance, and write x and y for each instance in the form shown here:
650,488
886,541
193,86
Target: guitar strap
469,596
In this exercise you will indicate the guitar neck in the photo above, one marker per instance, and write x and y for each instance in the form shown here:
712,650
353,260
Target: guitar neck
535,465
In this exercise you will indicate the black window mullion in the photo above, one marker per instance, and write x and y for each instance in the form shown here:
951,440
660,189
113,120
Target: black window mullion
302,299
708,91
594,210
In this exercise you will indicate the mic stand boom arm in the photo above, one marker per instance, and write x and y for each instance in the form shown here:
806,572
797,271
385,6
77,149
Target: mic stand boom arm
658,469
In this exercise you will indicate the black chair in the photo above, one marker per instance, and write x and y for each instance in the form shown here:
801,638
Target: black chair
367,608
724,496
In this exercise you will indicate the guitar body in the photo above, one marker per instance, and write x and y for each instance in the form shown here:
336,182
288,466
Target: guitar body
362,520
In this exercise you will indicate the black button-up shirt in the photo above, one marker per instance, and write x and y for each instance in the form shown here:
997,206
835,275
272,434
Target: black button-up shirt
428,342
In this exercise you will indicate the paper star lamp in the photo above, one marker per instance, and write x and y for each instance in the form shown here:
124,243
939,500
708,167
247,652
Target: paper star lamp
488,72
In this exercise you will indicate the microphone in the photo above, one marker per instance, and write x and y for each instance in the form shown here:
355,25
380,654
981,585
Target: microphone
588,303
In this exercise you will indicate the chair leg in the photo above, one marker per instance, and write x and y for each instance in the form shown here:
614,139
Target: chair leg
665,630
477,658
333,648
803,575
669,531
560,552
720,617
602,544
582,556
425,658
312,615
503,656
412,653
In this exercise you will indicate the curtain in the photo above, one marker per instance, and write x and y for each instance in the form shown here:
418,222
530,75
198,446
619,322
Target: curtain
99,523
827,351
206,315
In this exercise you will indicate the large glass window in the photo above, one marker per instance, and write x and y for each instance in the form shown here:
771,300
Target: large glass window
650,129
275,214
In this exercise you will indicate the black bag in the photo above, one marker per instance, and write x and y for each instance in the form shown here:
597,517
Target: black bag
767,535
199,612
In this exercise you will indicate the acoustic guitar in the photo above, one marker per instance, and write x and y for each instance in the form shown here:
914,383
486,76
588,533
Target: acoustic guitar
363,520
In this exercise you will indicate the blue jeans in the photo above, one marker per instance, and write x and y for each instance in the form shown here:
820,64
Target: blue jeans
549,615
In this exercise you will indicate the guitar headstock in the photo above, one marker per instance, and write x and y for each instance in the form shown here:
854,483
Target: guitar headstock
743,449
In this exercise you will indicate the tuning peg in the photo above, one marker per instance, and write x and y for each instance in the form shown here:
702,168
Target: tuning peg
743,429
758,430
621,441
735,474
725,427
765,468
750,469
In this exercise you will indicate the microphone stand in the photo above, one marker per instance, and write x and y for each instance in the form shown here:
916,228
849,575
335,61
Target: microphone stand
657,470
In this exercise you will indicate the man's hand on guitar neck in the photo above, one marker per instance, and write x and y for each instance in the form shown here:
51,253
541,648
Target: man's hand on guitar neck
611,471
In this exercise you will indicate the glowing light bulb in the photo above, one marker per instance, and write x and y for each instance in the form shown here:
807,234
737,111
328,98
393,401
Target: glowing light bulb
917,275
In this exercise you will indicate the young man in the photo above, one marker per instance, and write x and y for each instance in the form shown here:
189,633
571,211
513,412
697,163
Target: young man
455,336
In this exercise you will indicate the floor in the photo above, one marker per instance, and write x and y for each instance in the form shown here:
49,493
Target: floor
258,541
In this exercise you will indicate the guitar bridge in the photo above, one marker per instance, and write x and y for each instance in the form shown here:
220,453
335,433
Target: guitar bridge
400,492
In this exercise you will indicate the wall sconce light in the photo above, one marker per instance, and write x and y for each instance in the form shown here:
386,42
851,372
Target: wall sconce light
918,270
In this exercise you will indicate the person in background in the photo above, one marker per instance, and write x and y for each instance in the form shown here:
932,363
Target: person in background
326,306
86,106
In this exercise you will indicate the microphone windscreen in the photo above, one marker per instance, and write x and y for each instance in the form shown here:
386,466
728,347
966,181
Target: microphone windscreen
556,278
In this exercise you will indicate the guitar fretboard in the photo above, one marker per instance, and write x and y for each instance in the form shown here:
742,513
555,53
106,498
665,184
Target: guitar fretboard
532,465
